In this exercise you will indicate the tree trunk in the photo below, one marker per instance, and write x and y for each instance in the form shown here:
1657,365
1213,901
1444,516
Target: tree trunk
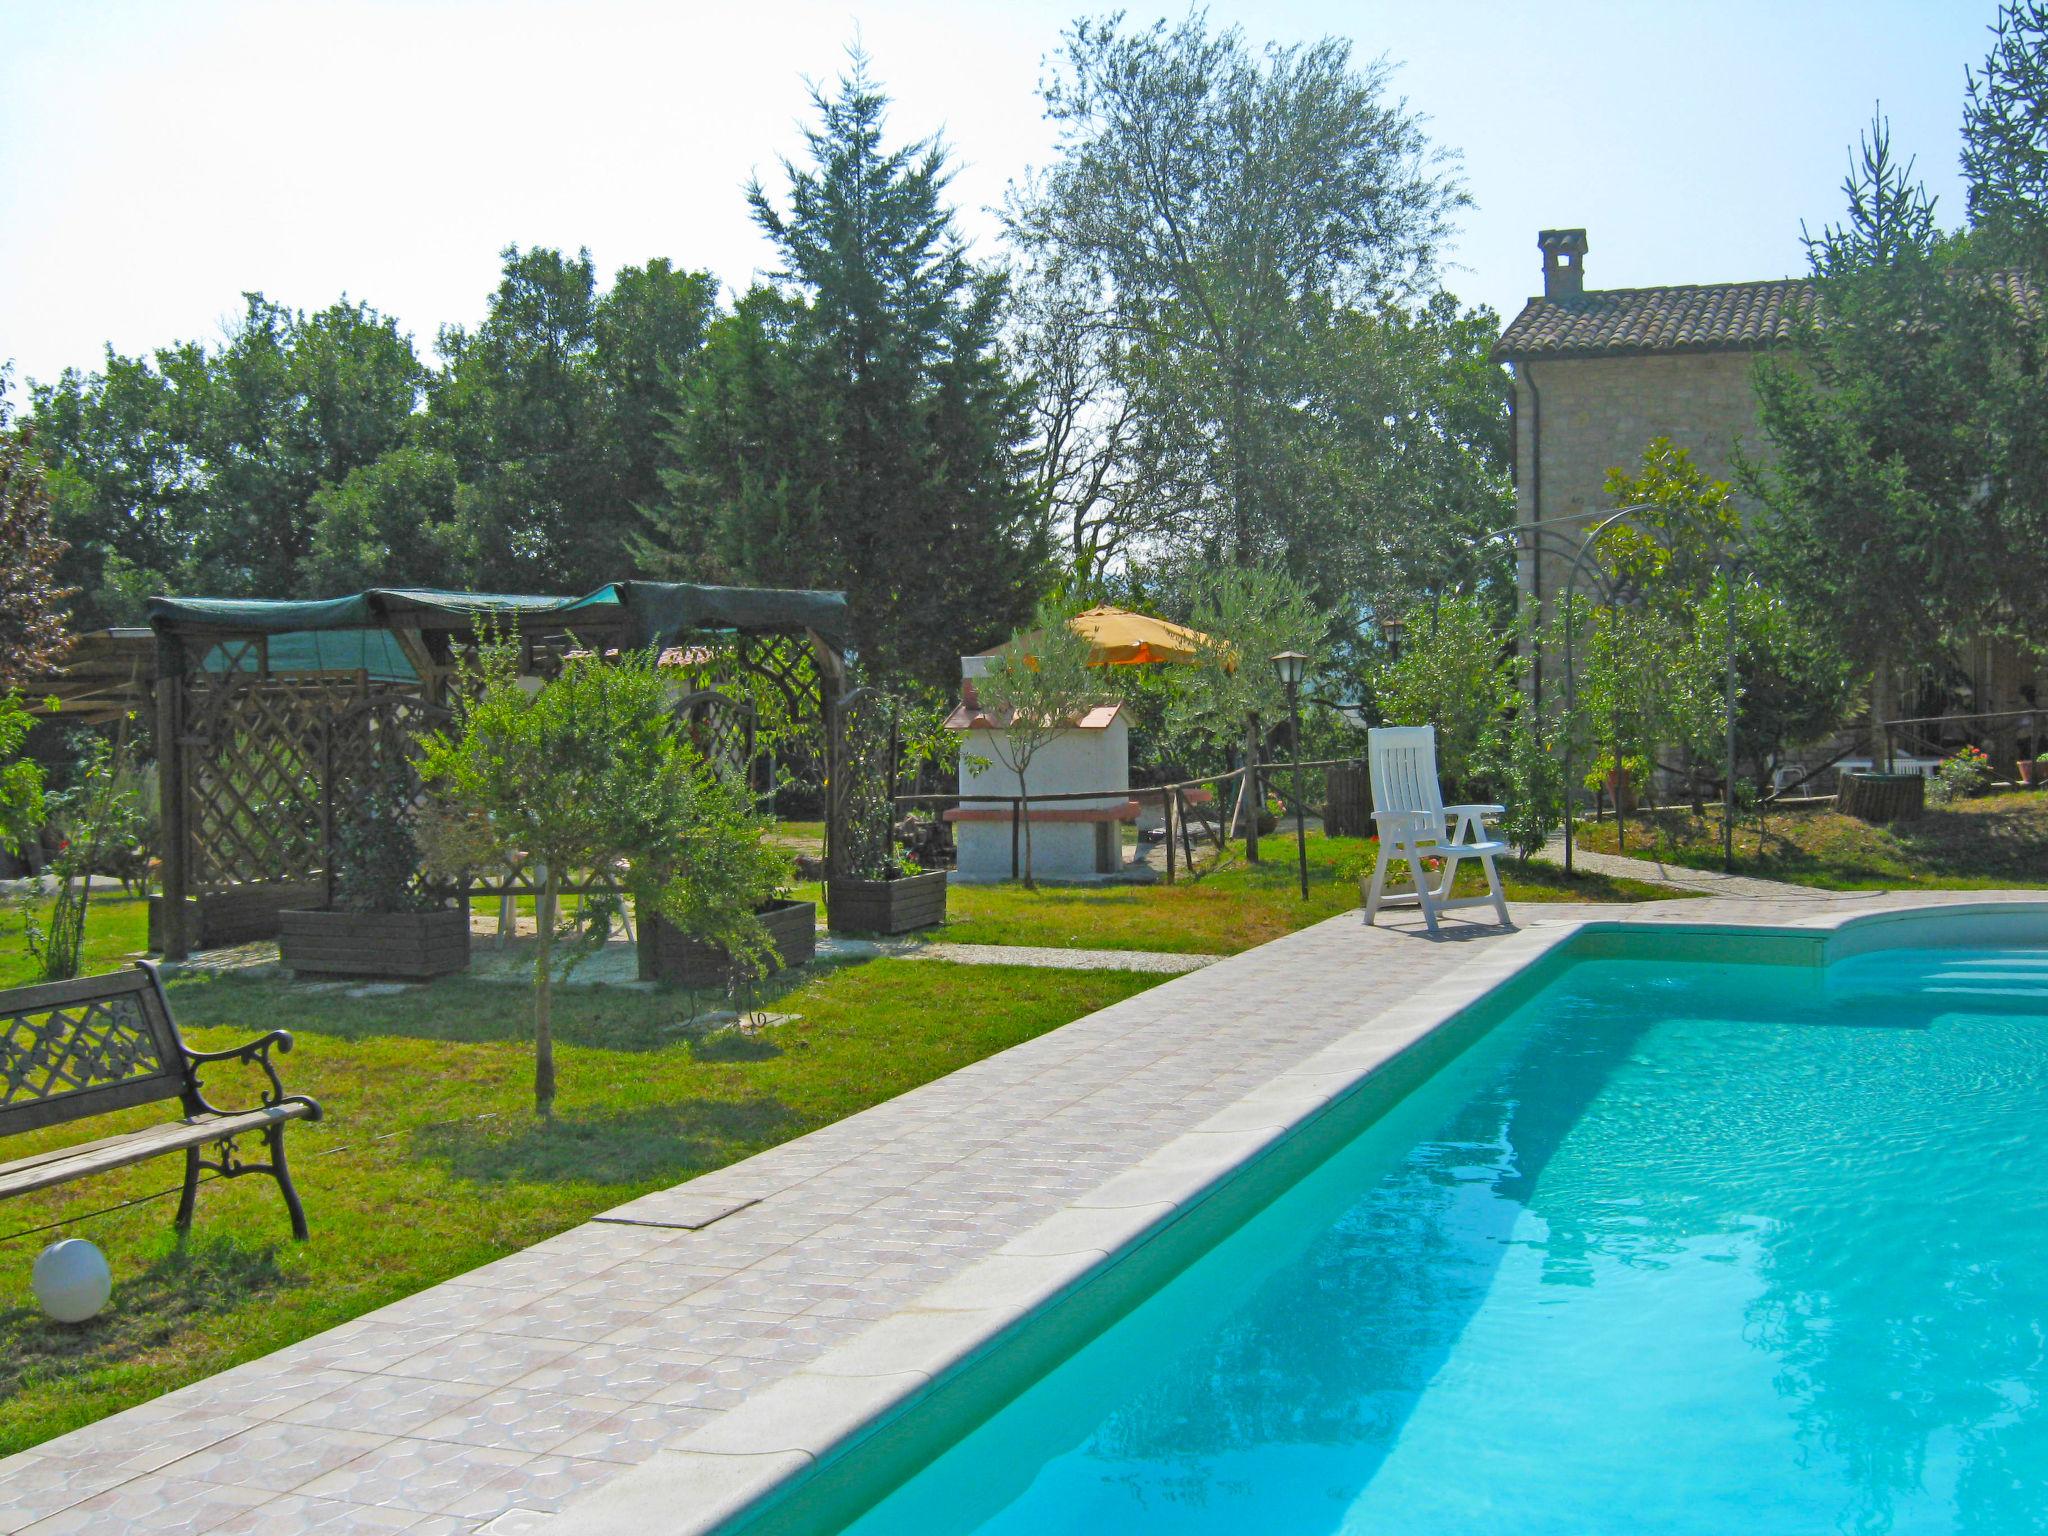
543,1000
1253,802
1880,738
1024,810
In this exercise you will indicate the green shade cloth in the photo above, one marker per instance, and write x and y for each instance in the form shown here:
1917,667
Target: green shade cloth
658,612
372,651
365,610
653,612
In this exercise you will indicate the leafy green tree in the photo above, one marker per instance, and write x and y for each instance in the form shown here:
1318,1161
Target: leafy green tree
590,772
21,777
1035,689
1235,219
389,523
2005,137
195,468
854,426
552,409
1458,670
123,490
1249,615
290,403
1893,524
32,634
2005,164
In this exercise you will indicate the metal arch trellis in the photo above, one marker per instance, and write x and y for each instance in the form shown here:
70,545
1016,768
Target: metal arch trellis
1726,563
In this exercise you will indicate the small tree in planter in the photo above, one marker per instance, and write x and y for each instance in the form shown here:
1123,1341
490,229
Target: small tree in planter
1033,691
379,921
592,772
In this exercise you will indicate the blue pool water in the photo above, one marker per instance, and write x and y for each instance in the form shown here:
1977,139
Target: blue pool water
1673,1248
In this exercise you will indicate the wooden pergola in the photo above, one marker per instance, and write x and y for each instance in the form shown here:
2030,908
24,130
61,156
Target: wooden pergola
267,711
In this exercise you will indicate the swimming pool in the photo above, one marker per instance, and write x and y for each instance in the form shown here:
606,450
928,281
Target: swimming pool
1674,1245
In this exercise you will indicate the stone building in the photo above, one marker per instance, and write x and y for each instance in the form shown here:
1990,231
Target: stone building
1598,373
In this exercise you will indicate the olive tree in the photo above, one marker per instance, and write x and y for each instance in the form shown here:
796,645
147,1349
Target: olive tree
590,771
1247,614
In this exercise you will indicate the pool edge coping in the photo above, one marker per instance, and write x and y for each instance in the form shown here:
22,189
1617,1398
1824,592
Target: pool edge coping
714,1479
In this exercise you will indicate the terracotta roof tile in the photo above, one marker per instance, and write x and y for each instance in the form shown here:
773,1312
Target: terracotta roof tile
1704,317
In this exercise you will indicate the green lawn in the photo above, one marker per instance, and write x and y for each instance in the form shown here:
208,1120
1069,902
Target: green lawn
1231,907
116,928
1998,840
431,1162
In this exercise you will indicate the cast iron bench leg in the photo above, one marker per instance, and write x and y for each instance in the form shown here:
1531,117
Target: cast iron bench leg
191,1195
278,1167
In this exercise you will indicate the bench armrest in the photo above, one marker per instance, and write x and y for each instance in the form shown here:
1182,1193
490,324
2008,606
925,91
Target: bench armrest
250,1053
1475,810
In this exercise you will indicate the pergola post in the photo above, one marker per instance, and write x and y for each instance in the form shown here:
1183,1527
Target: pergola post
170,767
831,683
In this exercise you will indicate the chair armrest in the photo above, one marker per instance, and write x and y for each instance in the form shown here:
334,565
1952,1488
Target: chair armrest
1471,820
250,1053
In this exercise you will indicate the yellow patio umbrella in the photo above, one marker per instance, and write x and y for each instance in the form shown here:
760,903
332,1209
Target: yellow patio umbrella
1124,639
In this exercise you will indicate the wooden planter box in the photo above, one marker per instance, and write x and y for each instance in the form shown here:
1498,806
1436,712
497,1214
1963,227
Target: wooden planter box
886,906
397,946
666,954
237,915
1882,797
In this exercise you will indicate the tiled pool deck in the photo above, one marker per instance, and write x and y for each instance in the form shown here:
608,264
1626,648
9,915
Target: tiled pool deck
657,1366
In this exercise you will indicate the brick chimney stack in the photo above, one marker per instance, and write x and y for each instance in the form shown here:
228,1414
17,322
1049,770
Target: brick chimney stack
1564,262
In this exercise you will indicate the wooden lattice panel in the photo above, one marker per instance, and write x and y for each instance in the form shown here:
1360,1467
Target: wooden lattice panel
367,744
253,775
46,1053
720,727
863,783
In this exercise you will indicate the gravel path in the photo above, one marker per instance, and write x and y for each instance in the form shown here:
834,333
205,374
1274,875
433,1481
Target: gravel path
1704,882
1063,959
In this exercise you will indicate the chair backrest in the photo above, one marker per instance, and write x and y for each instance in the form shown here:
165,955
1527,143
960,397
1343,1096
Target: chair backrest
1403,759
70,1049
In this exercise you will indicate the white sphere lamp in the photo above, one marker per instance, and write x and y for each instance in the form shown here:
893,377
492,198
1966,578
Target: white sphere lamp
71,1280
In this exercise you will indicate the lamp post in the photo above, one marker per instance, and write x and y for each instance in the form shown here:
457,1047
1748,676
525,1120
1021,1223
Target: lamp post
1293,667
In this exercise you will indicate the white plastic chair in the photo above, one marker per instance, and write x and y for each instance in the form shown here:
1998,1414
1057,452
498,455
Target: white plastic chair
1414,824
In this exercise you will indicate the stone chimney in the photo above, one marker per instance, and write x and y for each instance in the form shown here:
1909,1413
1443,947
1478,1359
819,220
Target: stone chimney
1564,262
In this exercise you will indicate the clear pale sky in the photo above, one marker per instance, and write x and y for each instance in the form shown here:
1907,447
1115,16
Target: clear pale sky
164,155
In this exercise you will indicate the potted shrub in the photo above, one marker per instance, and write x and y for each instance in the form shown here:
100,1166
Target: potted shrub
2034,772
379,920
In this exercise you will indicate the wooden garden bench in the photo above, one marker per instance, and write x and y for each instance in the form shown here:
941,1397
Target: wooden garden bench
71,1050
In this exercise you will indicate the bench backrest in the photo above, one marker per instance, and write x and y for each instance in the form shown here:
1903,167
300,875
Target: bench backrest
70,1049
1404,769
